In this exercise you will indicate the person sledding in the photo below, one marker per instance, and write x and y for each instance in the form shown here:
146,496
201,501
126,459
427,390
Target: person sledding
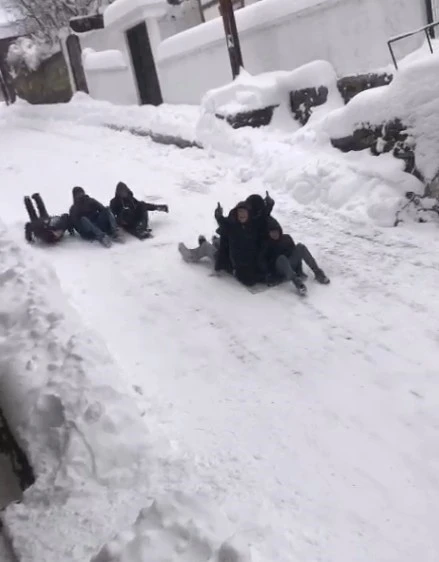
259,210
131,214
93,221
244,241
42,226
283,259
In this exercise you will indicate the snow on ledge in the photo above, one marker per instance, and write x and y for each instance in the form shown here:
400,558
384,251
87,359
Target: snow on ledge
247,92
127,13
249,18
111,59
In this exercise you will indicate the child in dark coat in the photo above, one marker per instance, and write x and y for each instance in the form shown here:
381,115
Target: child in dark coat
92,220
42,226
282,258
131,214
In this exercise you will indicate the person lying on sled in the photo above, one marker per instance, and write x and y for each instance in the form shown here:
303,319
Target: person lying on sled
92,220
42,226
283,259
243,238
131,214
259,210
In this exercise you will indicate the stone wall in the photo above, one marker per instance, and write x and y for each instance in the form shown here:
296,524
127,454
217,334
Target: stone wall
49,84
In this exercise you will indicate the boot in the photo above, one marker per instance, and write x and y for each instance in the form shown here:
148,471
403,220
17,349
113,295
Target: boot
300,286
185,253
321,277
106,241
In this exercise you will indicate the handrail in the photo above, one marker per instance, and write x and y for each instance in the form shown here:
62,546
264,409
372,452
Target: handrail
424,29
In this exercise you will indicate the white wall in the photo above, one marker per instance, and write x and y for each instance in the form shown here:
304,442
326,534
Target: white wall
282,35
110,84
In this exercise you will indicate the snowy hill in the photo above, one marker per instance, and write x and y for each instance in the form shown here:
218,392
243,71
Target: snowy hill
173,416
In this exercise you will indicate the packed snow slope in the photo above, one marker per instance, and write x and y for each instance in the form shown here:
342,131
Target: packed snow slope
312,423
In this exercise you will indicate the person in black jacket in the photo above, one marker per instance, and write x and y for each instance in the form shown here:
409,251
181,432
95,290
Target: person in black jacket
259,210
282,258
92,220
131,214
244,244
42,226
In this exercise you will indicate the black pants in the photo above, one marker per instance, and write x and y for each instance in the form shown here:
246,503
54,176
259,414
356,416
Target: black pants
41,212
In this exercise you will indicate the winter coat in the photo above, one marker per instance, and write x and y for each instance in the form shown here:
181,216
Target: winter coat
244,245
85,207
272,249
127,209
49,230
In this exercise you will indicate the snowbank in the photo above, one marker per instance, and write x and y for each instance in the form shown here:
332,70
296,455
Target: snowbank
411,97
165,119
247,93
97,463
104,60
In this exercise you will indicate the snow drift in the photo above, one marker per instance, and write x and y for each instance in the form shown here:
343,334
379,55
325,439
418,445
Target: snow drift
412,98
96,460
247,93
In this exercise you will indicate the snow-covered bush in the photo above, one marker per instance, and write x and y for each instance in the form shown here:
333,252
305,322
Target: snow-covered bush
27,53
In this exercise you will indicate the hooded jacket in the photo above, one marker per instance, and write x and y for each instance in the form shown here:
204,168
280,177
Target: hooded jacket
127,209
244,244
272,249
84,206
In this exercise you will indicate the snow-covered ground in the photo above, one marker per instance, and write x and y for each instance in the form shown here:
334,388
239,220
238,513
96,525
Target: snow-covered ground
283,429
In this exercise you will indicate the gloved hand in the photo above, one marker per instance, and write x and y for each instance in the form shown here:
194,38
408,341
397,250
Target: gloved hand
163,208
269,202
219,212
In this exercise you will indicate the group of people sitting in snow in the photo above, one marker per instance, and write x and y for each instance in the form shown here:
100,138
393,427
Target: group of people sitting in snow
250,243
91,219
252,246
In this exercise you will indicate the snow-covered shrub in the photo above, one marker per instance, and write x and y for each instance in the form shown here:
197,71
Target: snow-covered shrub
27,53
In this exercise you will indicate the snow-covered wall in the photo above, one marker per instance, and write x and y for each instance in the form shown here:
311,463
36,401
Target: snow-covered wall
280,35
108,81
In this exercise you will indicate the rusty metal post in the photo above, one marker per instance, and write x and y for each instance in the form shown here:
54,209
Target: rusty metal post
232,38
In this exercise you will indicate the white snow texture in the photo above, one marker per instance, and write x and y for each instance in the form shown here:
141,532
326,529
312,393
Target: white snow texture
170,415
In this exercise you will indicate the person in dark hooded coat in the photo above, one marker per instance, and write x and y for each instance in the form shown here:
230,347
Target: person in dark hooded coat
42,226
92,220
244,245
282,258
259,210
131,214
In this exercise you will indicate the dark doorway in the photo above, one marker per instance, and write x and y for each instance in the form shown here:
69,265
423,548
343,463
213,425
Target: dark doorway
75,56
144,67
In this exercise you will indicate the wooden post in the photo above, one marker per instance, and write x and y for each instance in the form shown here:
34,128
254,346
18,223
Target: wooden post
430,16
232,38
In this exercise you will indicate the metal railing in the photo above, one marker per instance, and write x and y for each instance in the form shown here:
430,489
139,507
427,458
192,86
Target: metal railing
426,29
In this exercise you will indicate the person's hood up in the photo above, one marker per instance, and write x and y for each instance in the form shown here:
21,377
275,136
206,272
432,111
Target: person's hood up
123,191
256,204
272,224
78,193
240,205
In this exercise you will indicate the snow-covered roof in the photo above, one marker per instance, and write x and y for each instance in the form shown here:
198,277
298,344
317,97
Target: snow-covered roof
127,13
